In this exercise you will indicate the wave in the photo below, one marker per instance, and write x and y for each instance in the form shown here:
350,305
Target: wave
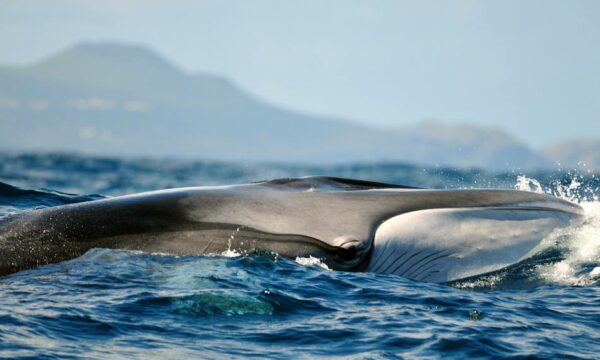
14,199
115,303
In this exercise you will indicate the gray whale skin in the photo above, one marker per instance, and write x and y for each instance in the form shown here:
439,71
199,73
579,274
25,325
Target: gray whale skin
351,225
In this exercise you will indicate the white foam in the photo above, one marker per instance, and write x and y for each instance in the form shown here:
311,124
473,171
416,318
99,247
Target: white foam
311,261
485,282
581,241
230,253
583,248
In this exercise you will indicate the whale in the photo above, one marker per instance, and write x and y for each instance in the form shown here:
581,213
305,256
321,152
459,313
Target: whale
430,235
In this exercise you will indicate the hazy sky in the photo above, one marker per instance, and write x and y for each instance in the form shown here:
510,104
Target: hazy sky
532,67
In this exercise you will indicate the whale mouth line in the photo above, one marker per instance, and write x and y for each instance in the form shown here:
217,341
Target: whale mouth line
216,238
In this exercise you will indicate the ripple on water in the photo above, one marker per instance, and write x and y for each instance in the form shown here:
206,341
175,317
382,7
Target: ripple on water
121,304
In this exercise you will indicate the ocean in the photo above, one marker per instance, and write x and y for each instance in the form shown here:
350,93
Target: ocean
125,304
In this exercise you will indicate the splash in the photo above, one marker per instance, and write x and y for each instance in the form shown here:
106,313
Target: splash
575,187
579,243
232,252
527,184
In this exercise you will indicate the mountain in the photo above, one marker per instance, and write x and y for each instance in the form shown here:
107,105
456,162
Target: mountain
471,146
120,99
576,154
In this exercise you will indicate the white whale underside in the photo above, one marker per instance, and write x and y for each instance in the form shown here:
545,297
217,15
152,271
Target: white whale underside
440,245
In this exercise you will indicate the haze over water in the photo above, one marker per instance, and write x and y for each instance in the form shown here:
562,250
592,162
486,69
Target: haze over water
526,67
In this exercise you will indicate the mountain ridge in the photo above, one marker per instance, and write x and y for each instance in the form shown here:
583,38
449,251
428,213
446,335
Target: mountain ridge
121,99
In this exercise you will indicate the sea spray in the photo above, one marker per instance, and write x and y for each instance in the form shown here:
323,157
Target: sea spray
232,252
580,243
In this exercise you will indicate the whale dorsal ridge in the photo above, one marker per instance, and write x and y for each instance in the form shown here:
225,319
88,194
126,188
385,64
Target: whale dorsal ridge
331,183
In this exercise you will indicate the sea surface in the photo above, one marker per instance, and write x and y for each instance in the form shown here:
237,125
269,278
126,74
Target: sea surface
123,304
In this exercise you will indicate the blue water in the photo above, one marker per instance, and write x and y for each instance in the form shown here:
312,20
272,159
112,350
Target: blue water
110,303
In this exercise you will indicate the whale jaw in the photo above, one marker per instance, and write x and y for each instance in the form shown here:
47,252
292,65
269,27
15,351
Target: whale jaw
441,245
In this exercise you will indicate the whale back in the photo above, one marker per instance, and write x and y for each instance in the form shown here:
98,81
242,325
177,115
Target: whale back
330,218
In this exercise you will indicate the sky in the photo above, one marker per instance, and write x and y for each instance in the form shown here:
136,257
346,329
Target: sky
530,67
